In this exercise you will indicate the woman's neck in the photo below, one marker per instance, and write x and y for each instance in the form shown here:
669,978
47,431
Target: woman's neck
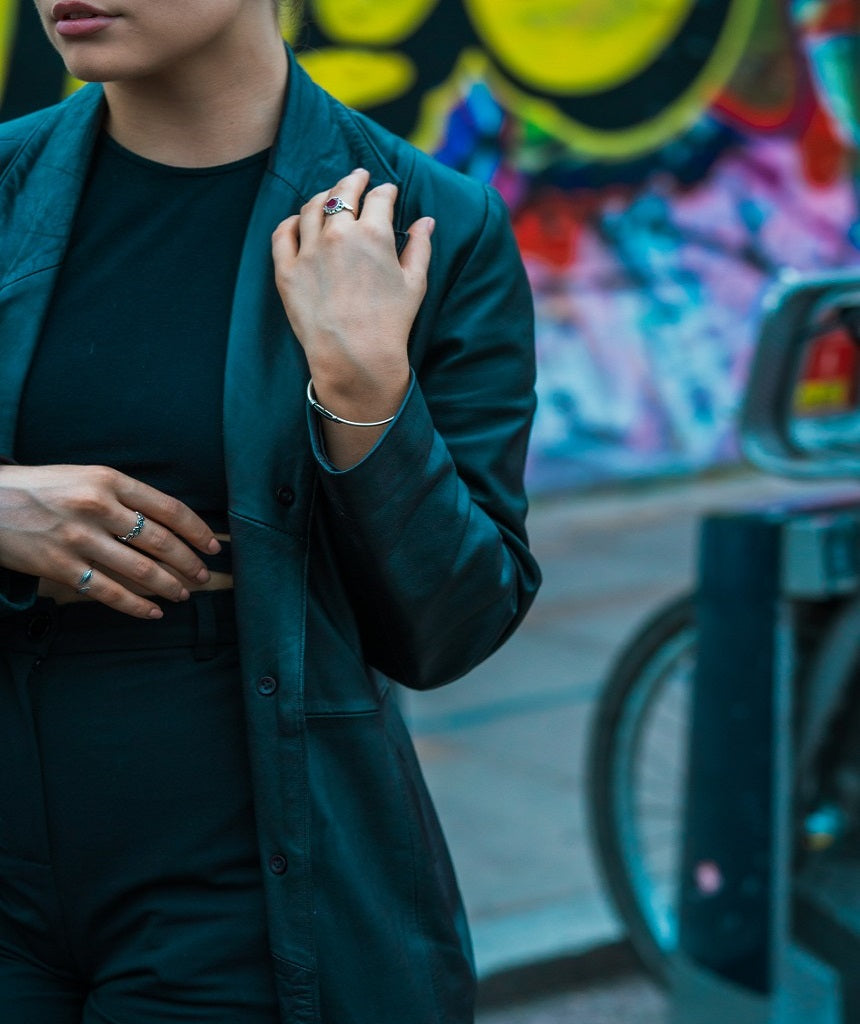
202,116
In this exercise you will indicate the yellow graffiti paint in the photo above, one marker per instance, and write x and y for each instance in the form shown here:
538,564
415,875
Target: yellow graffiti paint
8,22
71,85
569,47
370,22
290,17
360,78
622,144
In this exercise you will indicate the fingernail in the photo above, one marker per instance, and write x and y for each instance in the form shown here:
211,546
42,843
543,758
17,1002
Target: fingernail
202,576
431,225
184,594
156,613
361,170
214,547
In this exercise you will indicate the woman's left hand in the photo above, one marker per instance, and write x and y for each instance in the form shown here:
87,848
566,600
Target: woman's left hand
351,303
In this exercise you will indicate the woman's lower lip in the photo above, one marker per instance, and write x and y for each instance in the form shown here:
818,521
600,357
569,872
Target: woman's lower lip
76,28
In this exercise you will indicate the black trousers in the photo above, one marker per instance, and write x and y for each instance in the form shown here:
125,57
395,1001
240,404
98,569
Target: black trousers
130,884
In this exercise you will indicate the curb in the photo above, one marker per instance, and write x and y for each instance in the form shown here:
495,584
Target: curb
557,974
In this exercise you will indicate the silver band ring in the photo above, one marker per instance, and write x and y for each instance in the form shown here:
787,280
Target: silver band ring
84,582
335,205
135,530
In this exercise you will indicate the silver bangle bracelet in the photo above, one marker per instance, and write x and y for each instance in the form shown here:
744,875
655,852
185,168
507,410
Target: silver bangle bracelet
321,409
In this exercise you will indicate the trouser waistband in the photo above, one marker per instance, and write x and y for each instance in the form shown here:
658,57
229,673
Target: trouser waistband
205,622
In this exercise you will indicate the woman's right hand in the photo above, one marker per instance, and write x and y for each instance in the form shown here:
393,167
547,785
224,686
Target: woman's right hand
57,522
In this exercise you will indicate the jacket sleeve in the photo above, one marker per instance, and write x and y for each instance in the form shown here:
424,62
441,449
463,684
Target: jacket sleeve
17,589
429,528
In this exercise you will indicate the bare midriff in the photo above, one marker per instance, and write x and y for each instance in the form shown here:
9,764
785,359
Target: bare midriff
63,594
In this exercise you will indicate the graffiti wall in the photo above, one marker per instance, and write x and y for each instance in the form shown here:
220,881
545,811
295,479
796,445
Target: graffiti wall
662,160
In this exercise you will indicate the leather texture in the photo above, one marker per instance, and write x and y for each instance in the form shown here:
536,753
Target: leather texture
412,565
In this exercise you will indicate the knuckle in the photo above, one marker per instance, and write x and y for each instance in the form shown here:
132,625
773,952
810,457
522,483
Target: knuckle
171,509
114,595
111,594
141,569
73,535
378,232
284,275
90,502
283,229
104,477
157,537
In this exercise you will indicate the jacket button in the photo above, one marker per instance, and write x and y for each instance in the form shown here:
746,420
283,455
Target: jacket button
267,686
285,496
277,864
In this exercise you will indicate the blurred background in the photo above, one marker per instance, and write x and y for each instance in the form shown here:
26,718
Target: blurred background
664,161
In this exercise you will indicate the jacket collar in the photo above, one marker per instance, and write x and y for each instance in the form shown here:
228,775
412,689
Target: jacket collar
40,189
316,132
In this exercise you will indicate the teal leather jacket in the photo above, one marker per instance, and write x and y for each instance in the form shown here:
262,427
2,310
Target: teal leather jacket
412,565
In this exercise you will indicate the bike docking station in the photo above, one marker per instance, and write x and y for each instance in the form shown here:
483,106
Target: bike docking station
763,938
768,899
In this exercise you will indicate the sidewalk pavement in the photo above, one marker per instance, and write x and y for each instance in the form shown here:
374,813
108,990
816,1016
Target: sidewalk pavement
503,749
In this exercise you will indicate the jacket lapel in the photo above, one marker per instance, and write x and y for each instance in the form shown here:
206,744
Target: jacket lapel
319,140
39,193
265,434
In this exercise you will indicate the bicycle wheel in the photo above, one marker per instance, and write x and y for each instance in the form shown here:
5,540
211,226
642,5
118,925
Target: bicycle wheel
637,770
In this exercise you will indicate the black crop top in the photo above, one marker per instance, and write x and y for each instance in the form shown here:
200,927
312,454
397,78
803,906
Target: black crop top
129,368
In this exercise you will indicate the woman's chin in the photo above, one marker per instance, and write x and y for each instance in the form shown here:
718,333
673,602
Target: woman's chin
100,71
90,70
93,63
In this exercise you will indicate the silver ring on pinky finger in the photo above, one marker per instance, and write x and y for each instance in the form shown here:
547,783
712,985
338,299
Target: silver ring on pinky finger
84,582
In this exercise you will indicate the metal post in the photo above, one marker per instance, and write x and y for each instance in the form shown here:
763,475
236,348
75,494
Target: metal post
738,961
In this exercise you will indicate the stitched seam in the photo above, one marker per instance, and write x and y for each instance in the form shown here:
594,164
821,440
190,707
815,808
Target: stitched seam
24,143
335,715
16,280
296,535
292,963
286,181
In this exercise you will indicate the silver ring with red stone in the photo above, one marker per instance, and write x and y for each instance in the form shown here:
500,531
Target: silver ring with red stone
335,205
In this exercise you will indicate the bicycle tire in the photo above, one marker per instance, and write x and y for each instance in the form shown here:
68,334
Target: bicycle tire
636,681
632,686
